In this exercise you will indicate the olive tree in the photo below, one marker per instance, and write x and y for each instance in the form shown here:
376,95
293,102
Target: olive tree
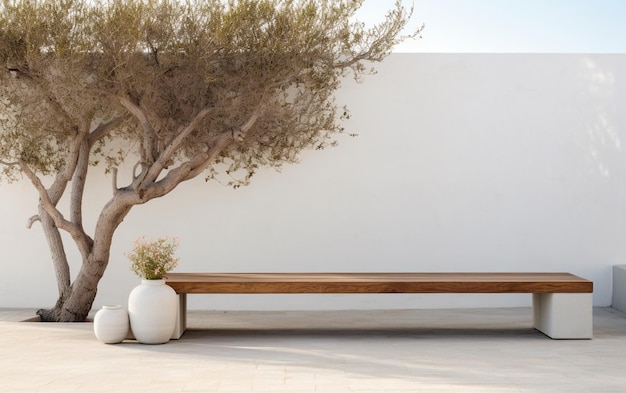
172,89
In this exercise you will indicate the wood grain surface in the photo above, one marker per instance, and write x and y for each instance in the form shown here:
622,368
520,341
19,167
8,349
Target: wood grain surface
314,283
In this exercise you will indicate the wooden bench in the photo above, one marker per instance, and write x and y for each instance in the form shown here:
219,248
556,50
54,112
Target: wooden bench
562,302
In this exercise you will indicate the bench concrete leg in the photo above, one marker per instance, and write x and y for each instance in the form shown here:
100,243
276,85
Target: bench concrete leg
181,317
564,315
619,288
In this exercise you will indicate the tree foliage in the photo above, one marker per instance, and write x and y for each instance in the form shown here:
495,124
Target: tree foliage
176,88
210,64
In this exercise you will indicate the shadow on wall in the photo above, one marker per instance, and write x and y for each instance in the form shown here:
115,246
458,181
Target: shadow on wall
604,144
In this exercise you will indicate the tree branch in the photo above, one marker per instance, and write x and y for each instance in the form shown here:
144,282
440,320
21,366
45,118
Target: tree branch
194,167
32,220
5,163
137,164
104,128
82,240
176,142
114,179
62,178
221,142
161,163
149,142
78,185
240,133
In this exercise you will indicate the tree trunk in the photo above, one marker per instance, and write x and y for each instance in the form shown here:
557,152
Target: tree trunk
57,251
75,303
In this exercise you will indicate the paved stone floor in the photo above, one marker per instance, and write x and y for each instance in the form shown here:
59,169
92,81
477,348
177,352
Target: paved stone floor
470,350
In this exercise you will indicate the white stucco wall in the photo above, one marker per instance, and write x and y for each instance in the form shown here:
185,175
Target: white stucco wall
464,162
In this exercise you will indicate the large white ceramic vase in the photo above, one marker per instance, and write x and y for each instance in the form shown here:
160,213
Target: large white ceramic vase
152,311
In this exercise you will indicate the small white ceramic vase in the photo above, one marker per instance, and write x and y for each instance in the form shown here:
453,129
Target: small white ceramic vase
152,311
110,324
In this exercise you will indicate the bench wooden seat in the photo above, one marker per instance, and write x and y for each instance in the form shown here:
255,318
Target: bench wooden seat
562,302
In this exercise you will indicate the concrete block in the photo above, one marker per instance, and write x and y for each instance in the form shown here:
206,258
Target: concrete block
619,287
564,315
181,317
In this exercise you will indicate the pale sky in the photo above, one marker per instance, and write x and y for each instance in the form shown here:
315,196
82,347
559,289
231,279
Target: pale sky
512,26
